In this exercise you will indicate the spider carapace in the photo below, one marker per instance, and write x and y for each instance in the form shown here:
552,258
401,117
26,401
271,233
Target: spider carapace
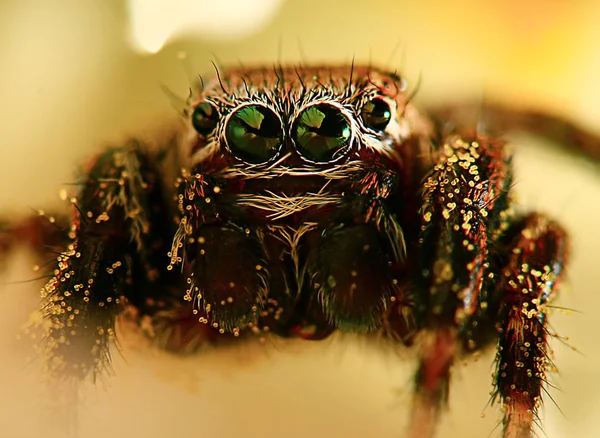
312,200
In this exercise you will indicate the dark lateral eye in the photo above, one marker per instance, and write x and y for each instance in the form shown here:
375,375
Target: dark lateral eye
205,118
376,114
321,133
254,134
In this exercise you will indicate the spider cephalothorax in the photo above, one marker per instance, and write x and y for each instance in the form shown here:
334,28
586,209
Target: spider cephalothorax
314,200
290,180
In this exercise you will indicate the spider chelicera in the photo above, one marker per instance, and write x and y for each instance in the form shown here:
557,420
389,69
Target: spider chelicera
311,200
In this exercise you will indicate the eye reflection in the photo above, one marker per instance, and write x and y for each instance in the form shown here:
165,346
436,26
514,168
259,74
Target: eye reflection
322,133
254,134
205,118
376,114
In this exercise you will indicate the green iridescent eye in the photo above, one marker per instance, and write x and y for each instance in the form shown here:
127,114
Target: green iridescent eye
205,118
322,133
254,134
376,114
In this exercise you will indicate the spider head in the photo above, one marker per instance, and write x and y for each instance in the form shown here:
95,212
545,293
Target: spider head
291,169
305,118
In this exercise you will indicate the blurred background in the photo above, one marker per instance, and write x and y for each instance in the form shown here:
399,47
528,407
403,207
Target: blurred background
76,75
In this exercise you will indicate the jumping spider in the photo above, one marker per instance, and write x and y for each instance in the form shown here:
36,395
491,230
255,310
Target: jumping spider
312,200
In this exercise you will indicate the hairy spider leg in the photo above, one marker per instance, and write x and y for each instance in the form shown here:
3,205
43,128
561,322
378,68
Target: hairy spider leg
464,208
496,118
119,237
527,284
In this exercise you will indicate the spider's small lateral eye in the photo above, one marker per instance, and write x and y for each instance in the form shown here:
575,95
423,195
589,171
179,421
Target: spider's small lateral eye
376,114
205,118
322,133
254,134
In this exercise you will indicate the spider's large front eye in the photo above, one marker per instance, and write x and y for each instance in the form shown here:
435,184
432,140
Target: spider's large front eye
205,118
322,133
254,134
376,114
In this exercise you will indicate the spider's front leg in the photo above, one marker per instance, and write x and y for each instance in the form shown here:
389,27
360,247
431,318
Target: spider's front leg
485,272
464,207
121,232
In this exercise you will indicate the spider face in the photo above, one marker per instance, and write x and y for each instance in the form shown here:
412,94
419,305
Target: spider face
315,200
301,162
314,116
